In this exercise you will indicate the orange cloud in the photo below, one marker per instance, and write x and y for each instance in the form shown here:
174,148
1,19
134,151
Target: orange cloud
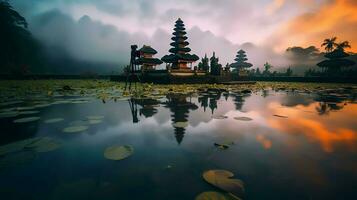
315,128
274,6
336,18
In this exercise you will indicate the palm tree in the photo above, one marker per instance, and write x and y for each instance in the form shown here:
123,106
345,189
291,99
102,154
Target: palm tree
329,44
343,45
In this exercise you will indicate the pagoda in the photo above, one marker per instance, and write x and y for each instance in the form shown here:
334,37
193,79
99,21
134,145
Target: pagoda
336,61
241,66
180,57
146,58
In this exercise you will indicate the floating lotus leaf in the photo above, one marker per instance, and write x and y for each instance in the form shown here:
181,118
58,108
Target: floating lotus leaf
44,144
75,129
30,112
180,124
79,123
26,119
10,103
211,195
222,180
7,110
9,114
221,146
79,102
243,118
54,120
95,117
15,146
17,158
118,152
95,121
25,108
61,102
42,105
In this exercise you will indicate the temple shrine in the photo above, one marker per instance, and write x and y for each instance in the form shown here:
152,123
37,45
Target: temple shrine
179,59
146,59
179,64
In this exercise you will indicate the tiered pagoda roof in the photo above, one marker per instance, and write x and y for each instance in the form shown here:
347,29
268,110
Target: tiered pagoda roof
336,59
179,51
241,59
147,50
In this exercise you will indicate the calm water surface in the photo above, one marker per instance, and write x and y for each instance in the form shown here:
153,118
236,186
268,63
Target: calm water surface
297,146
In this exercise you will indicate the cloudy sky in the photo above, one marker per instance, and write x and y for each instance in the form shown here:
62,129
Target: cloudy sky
103,30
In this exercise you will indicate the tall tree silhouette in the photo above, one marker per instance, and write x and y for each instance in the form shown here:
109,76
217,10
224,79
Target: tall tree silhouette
343,45
17,49
329,44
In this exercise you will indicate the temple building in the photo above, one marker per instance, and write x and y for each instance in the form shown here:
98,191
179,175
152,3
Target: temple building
241,65
146,59
180,57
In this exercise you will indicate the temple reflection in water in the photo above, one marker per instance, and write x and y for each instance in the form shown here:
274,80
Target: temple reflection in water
181,106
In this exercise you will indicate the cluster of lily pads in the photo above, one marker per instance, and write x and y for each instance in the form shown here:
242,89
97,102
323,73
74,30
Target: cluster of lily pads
44,93
82,125
24,151
230,188
107,90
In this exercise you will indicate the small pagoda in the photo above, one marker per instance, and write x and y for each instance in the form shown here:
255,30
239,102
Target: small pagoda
146,59
180,57
336,61
241,65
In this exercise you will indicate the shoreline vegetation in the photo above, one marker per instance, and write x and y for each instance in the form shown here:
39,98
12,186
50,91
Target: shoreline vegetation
118,78
105,89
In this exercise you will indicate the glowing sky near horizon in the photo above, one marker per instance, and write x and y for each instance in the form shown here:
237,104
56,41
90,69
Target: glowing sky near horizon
275,23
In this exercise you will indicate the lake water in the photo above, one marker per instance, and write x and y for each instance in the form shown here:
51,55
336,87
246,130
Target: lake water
286,145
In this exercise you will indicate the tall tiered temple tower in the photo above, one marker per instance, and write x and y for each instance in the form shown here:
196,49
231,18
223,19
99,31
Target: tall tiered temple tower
180,57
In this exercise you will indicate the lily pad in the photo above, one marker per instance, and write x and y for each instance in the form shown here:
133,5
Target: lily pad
53,120
118,152
243,118
44,144
222,179
10,103
221,146
9,114
75,129
15,146
95,121
211,195
29,112
180,124
79,123
25,108
42,105
26,119
17,158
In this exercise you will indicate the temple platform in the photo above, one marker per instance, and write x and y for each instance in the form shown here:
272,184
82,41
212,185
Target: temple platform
179,77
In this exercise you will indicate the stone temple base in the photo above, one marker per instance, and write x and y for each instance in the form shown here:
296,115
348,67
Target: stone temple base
186,72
